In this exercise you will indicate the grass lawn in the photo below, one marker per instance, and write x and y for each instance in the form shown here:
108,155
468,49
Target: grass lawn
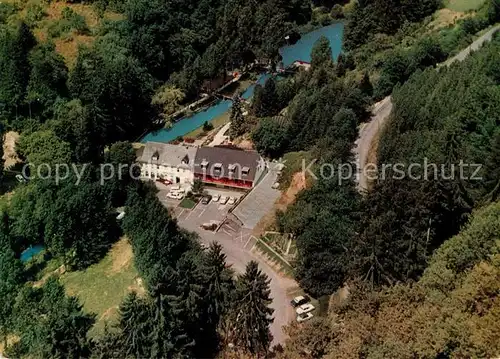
187,203
285,268
102,287
464,5
293,163
224,118
216,122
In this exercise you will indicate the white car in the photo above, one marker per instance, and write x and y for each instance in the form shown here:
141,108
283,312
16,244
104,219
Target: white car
301,299
216,198
223,200
304,316
231,200
175,195
172,195
305,308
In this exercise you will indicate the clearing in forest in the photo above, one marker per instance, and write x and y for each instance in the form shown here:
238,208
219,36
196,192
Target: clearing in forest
464,5
102,287
68,25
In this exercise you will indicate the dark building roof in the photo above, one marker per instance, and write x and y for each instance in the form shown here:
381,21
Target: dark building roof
166,154
223,162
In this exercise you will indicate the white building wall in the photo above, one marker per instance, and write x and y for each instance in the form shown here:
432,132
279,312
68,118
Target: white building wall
175,174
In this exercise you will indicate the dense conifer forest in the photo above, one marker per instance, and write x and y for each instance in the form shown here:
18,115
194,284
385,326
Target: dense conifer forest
418,258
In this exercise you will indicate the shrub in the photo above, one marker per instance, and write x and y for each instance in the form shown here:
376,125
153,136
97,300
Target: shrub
337,12
207,126
6,10
34,13
76,21
59,27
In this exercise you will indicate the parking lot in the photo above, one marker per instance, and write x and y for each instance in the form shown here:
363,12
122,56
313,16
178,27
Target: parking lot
202,213
192,219
260,200
238,243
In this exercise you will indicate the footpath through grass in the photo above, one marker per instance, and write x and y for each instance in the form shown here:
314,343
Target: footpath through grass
216,122
102,287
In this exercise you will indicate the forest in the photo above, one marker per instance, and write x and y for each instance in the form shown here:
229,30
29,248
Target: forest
450,312
88,112
418,258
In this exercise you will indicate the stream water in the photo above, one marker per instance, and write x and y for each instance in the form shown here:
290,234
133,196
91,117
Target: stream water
298,51
31,252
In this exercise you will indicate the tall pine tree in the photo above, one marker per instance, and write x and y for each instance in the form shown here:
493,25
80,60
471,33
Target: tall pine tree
251,315
135,324
237,119
220,283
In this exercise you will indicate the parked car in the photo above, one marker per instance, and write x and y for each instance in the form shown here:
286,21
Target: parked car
304,316
223,200
216,198
175,195
209,226
301,299
305,308
175,188
172,195
206,199
231,200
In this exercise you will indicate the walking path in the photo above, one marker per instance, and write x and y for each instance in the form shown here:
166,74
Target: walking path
220,137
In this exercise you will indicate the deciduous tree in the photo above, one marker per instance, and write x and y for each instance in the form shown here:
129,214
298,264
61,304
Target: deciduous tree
321,53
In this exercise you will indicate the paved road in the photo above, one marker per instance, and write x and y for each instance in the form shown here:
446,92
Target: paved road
367,133
381,111
238,244
476,45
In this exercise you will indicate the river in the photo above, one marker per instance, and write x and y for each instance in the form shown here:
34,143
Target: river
299,51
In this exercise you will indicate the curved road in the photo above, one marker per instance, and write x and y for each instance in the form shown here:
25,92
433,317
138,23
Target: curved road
238,255
381,111
238,245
